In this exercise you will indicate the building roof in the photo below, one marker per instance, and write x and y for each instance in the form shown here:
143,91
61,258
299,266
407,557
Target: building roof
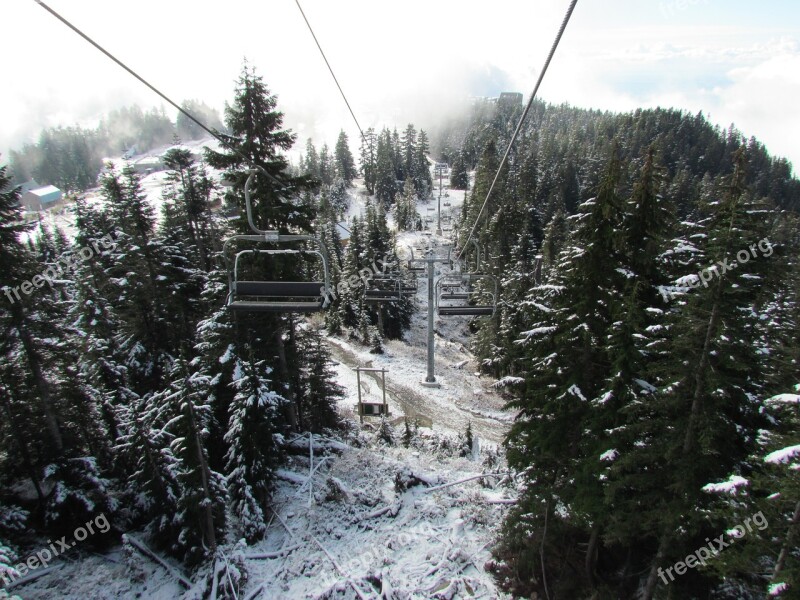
45,191
29,185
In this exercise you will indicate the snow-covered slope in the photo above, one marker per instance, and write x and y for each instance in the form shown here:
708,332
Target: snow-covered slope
374,520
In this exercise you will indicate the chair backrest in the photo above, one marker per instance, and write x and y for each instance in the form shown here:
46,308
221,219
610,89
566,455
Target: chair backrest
274,296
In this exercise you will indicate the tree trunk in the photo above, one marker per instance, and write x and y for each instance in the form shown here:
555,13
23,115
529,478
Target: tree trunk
591,556
284,367
16,433
787,545
205,475
652,578
700,373
39,380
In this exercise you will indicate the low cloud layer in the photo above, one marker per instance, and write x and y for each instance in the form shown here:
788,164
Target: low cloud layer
408,63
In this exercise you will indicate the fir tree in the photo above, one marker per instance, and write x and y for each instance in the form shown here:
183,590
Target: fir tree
343,160
152,479
409,151
369,160
186,414
385,172
553,439
252,452
422,171
319,391
386,432
458,173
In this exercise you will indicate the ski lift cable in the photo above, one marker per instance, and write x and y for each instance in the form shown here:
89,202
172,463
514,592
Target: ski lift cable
215,134
519,123
325,58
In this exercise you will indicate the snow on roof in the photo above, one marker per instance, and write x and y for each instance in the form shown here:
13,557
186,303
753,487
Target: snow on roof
44,191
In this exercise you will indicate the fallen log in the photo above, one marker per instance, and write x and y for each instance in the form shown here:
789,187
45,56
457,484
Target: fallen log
144,550
269,555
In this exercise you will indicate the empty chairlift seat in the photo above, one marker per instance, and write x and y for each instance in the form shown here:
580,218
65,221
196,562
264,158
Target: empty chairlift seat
278,296
458,289
251,295
381,290
372,409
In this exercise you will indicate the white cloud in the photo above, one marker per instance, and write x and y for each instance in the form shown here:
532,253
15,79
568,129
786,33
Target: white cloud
414,61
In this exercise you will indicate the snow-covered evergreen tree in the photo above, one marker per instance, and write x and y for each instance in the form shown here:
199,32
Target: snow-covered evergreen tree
252,450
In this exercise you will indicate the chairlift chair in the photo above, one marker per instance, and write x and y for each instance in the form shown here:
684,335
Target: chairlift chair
372,409
383,290
465,281
273,296
413,267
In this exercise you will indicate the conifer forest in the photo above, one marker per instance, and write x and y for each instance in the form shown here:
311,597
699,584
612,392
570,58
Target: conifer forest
523,350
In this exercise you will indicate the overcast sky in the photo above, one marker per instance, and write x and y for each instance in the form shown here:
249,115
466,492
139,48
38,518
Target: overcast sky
410,61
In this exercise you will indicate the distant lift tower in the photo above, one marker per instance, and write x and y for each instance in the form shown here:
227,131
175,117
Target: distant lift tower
416,265
439,172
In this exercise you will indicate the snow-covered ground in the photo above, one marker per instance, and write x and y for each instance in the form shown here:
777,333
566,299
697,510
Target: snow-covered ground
375,523
371,524
152,185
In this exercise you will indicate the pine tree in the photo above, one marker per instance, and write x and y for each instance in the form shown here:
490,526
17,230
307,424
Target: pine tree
385,172
369,160
406,207
191,189
32,337
767,501
311,161
203,492
252,452
422,171
256,132
409,149
553,440
326,166
153,468
458,173
343,160
319,390
135,292
707,418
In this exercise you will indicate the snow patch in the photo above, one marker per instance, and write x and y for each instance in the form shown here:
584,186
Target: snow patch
727,487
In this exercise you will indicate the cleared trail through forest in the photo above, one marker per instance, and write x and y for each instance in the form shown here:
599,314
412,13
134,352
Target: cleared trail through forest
415,404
